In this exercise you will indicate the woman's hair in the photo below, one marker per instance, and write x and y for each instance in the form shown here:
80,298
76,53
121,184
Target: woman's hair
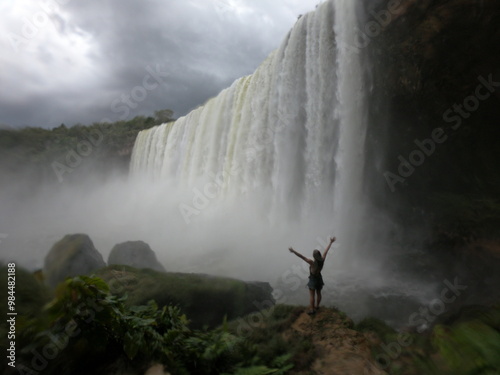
317,255
318,262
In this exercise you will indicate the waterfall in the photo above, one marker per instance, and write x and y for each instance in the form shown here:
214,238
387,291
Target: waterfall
291,134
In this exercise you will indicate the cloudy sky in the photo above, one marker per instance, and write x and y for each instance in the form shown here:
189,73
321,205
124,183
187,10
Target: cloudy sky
83,61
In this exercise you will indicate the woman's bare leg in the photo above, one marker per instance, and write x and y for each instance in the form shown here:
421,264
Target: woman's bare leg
311,298
318,299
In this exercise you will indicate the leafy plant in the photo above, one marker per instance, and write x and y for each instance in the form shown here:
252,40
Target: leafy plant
85,320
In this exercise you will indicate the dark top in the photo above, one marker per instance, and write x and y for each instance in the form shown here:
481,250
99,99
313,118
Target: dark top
315,278
316,267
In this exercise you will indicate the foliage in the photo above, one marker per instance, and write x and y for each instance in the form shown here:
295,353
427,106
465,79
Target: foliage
470,346
377,326
279,362
31,294
36,149
163,116
85,320
263,342
466,343
30,297
191,292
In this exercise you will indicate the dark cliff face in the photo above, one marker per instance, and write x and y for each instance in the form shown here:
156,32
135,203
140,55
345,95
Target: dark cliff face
435,104
435,121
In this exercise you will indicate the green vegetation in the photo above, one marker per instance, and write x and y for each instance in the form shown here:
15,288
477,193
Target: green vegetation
465,343
30,296
376,326
110,144
205,299
264,340
85,320
471,343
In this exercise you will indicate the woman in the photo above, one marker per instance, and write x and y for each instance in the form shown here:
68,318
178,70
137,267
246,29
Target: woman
315,283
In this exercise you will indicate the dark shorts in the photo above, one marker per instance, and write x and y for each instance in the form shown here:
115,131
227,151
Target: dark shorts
315,282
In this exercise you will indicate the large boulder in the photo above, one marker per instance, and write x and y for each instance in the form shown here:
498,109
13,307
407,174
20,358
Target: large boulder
205,299
136,254
74,255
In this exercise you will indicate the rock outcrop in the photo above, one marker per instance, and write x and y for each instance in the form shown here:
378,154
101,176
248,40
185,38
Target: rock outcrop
434,113
136,254
435,66
205,299
74,255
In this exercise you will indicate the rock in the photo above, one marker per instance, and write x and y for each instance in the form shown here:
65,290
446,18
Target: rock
136,254
205,299
258,295
334,347
74,255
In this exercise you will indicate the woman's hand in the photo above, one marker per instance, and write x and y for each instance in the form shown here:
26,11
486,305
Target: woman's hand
290,249
332,239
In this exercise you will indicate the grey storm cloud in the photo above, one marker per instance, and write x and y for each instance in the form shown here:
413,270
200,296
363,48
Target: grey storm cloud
90,60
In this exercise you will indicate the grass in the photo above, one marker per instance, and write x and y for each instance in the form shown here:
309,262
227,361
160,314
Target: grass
377,326
465,343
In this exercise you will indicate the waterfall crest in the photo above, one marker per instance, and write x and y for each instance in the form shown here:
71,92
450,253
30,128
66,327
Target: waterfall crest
291,133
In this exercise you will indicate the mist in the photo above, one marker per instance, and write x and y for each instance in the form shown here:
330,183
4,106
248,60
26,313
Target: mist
232,235
228,236
227,189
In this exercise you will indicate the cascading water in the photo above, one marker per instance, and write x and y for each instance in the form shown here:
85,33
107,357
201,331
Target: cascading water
292,133
277,159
